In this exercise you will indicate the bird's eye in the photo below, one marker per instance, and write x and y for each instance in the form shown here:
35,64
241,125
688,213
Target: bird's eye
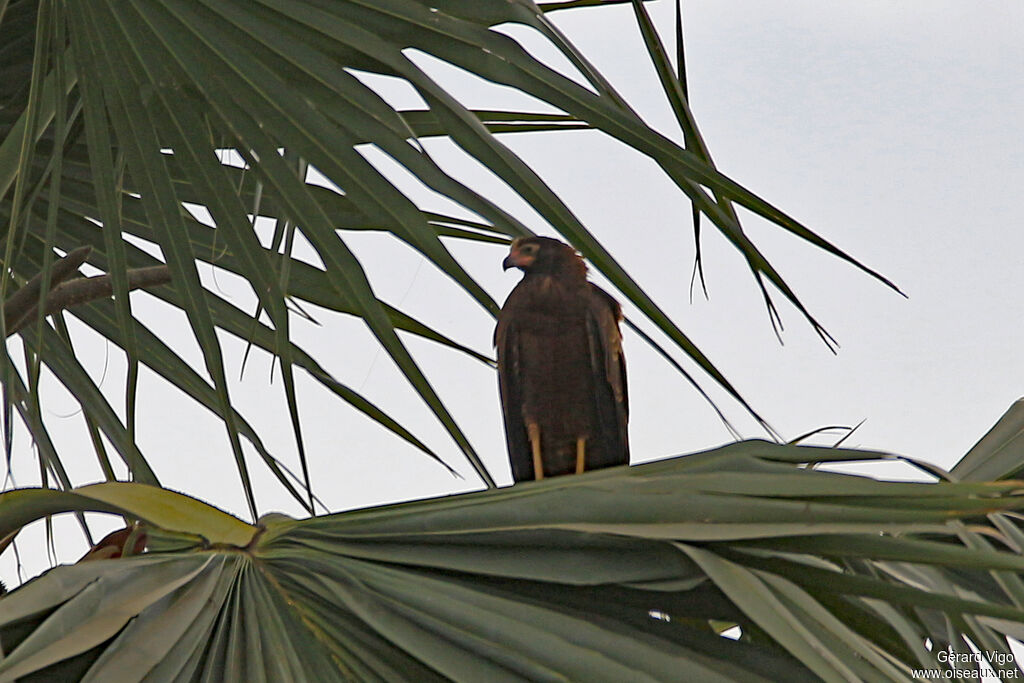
529,248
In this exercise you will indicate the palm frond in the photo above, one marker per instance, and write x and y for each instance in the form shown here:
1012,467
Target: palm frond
250,112
627,573
999,454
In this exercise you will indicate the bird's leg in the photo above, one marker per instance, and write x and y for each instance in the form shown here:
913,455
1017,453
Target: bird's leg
581,450
533,434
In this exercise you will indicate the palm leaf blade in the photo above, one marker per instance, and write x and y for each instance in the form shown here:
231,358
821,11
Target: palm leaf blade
465,587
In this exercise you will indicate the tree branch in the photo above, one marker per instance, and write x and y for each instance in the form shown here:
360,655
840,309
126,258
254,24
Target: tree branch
25,301
84,289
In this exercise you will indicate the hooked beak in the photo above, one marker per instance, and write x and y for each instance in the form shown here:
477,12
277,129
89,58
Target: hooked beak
517,259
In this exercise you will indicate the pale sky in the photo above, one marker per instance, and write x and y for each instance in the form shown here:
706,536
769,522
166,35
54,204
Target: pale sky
890,128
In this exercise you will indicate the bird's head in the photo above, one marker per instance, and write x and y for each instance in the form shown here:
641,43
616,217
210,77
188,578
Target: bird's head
543,255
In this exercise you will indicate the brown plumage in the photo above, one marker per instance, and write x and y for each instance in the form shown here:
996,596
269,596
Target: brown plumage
115,545
560,365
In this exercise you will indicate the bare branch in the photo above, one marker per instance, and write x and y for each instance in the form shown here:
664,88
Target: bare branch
23,302
84,289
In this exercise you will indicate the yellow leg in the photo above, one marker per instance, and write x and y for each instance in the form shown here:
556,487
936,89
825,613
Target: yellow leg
533,434
581,452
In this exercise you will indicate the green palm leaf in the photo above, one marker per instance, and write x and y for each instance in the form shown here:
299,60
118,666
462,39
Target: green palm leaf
207,95
628,573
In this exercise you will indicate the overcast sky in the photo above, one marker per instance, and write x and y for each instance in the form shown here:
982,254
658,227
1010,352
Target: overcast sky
892,129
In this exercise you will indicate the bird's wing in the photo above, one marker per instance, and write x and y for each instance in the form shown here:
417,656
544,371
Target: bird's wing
506,340
608,365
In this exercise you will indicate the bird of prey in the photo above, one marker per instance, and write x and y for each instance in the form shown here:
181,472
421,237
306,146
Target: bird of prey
560,366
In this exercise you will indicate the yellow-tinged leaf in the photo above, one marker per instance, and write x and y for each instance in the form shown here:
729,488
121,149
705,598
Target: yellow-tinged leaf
173,511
